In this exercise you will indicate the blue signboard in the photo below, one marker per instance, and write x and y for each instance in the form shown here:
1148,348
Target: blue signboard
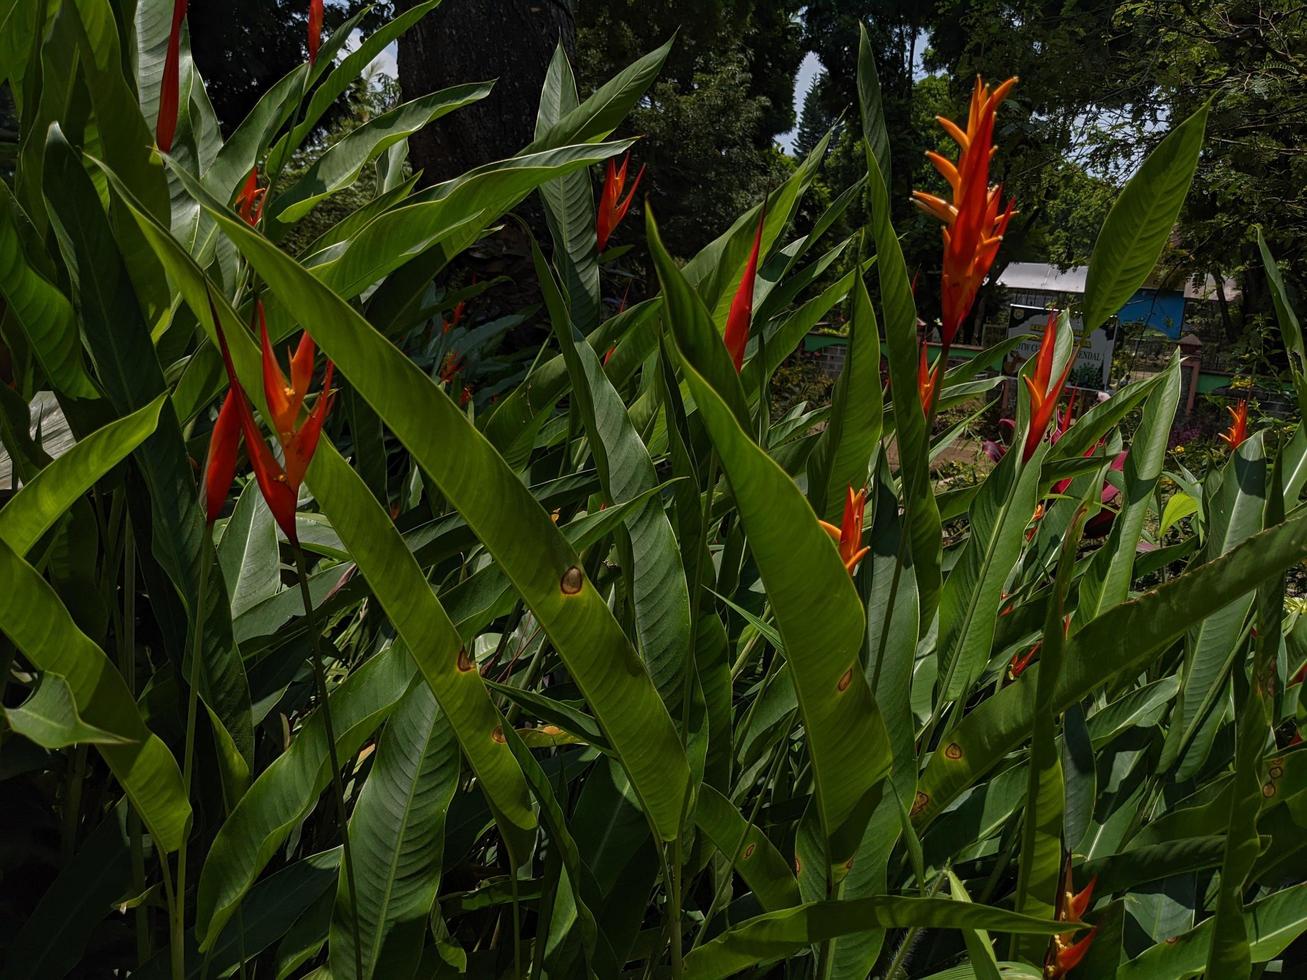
1158,308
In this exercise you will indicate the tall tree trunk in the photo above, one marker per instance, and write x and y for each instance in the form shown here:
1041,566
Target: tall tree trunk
473,40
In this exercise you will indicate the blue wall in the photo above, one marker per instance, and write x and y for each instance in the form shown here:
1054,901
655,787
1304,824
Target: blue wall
1161,309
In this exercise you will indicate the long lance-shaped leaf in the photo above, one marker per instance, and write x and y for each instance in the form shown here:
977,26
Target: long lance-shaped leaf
339,77
387,563
1041,825
842,456
600,114
1107,580
1236,512
34,509
1124,639
49,718
398,832
1139,224
569,204
248,553
1230,954
43,312
341,163
130,371
286,791
1272,923
891,651
972,594
900,316
38,624
780,934
756,858
874,130
1290,325
657,579
811,593
509,521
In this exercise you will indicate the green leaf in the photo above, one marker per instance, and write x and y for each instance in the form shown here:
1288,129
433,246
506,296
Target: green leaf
390,568
776,935
842,456
802,573
248,552
50,719
972,593
874,130
36,622
129,369
1272,923
1107,580
44,313
1230,954
756,859
596,117
340,164
35,508
509,521
655,574
286,791
1122,640
340,76
899,313
1236,510
1140,222
1290,326
397,835
569,205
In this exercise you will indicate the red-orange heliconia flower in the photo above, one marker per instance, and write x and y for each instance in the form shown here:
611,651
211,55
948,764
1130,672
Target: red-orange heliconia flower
1044,389
465,396
1067,957
249,200
315,29
1021,661
738,319
299,441
165,126
928,380
449,369
612,207
220,464
848,536
973,224
1238,431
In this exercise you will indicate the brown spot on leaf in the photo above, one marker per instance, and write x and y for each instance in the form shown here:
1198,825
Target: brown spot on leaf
919,802
953,751
572,581
1276,772
465,662
846,680
498,735
748,851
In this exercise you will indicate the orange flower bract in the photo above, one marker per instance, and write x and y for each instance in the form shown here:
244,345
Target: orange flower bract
848,536
973,224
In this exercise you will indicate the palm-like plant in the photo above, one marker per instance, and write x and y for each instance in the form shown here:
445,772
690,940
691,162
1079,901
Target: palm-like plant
594,690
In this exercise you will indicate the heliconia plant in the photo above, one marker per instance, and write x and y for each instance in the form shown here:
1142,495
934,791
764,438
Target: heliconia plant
587,664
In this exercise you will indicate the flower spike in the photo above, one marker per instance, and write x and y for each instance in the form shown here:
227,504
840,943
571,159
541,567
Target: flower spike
974,225
612,207
848,536
315,29
1068,957
1238,431
928,380
220,464
1044,389
736,337
165,127
249,200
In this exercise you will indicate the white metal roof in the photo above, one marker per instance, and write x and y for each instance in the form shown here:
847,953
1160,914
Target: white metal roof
1038,276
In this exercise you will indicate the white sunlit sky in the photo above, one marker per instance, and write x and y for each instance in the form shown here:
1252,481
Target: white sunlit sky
384,63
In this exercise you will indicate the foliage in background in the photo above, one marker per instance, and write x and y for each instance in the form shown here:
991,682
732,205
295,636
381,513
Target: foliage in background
561,665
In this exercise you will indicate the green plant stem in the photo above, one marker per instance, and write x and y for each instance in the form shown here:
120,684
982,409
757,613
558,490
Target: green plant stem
517,923
674,908
177,936
905,947
338,786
